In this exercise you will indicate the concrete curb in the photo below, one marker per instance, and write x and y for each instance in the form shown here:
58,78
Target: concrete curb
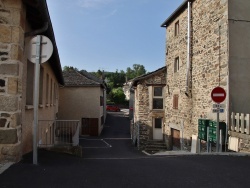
183,153
5,166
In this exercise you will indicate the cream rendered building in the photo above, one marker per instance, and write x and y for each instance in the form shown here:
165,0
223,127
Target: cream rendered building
83,98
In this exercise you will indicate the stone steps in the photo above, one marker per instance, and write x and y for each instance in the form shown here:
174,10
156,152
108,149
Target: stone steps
154,146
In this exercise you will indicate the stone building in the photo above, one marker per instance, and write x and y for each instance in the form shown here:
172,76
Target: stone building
83,98
207,45
149,96
19,21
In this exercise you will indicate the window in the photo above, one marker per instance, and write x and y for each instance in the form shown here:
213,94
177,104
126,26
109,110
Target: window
41,86
101,101
157,98
55,93
51,91
47,89
158,123
176,28
30,83
176,64
175,101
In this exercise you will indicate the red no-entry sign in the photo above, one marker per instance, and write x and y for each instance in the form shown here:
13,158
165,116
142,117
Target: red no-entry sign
218,94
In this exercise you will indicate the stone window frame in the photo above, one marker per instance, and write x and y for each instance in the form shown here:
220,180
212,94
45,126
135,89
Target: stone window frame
176,64
177,28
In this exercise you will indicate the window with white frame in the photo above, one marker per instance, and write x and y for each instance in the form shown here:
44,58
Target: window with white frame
157,97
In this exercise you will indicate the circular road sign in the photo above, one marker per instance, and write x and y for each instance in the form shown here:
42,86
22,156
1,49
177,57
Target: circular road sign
218,94
46,47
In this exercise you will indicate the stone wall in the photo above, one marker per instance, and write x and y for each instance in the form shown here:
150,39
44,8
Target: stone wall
12,21
143,113
208,68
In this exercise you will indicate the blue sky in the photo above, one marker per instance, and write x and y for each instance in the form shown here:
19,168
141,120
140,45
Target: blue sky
111,35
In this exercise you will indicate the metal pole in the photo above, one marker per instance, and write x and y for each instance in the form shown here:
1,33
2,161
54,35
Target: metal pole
220,140
217,130
36,97
207,139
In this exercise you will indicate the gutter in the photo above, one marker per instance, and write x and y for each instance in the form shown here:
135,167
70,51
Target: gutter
187,92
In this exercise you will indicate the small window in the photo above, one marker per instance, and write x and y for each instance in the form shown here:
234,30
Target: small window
158,123
176,28
30,83
158,98
55,93
41,86
101,101
47,89
176,64
51,91
175,101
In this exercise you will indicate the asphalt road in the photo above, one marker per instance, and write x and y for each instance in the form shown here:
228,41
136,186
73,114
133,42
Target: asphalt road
111,161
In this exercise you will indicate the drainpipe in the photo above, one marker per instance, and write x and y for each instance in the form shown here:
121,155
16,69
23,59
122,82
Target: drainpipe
188,49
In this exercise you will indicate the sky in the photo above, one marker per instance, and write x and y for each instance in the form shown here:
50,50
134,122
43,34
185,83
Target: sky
111,35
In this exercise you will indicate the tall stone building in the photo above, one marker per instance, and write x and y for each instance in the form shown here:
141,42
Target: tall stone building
207,45
19,21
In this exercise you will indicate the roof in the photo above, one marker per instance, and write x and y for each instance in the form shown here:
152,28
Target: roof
144,76
37,15
73,78
176,13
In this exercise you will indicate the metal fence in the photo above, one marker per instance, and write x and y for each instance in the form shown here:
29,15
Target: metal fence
58,132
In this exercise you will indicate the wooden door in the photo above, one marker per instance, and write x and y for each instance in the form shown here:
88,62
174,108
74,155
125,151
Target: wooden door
175,138
90,126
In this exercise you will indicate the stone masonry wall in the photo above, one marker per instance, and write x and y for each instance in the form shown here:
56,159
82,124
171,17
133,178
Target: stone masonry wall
208,68
143,111
12,21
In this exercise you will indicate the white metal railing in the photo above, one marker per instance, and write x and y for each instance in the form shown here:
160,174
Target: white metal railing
58,132
240,123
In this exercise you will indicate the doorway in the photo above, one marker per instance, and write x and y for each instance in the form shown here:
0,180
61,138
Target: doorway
157,129
175,138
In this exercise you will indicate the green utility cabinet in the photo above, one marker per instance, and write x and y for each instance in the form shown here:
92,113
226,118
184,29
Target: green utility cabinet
202,129
212,131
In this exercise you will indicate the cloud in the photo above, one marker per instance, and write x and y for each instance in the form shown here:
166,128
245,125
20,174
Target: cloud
93,3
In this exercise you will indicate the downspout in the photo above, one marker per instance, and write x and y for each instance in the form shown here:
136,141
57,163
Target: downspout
188,50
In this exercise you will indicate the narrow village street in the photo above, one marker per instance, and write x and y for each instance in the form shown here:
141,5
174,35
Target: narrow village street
111,161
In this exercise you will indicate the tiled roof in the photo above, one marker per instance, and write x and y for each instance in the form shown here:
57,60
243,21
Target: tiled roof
135,80
83,78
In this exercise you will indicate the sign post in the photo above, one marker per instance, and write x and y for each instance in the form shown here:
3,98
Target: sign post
218,95
39,50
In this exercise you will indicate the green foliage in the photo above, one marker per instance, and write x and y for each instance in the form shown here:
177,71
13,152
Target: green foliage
117,95
67,68
137,70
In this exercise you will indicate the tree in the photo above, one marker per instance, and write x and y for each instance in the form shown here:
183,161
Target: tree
137,70
117,95
67,68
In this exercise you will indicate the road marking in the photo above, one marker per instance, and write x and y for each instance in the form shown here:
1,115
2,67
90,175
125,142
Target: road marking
102,140
117,138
